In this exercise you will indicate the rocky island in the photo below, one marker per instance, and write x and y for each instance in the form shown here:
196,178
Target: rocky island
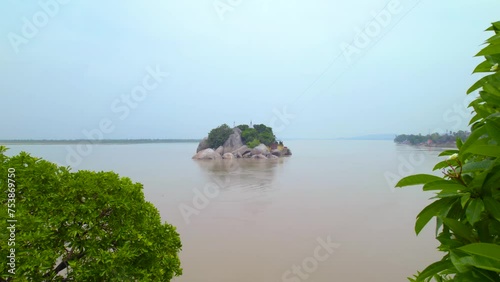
242,141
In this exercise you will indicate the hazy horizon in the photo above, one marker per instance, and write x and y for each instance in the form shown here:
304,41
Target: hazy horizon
375,136
171,69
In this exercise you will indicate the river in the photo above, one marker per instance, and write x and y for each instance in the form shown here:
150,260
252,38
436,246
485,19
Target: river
327,213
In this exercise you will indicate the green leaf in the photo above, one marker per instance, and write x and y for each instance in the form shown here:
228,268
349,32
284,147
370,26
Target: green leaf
434,269
474,210
464,264
493,207
465,199
441,165
446,193
459,229
459,142
485,150
494,39
480,108
493,126
417,179
478,84
476,166
492,78
487,250
491,89
489,50
460,261
478,181
436,208
475,118
483,67
490,98
448,153
473,137
443,185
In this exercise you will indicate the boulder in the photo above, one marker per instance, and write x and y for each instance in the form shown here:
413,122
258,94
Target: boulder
203,145
228,156
233,142
273,157
247,155
286,152
220,150
242,150
261,149
259,156
207,154
276,153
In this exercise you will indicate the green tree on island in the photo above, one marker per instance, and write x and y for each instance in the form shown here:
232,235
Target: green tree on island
219,135
260,133
467,205
251,136
81,226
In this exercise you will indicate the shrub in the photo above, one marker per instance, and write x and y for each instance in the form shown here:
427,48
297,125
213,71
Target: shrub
467,209
243,127
261,132
95,225
218,136
254,143
249,135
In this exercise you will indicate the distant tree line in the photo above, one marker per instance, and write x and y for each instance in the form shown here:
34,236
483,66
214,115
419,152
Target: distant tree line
434,138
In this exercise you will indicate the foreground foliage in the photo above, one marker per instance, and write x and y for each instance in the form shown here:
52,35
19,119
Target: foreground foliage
93,226
467,206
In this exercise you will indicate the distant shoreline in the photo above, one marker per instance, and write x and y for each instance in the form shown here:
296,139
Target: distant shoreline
106,141
444,145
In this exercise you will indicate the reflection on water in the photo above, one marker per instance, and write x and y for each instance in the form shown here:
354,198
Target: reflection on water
241,174
245,184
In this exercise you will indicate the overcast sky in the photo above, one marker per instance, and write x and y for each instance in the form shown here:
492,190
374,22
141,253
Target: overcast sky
310,69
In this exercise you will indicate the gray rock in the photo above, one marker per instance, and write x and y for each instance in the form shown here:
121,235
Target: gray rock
276,152
261,149
203,145
259,156
220,150
286,152
247,155
233,142
273,157
207,154
242,150
228,156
